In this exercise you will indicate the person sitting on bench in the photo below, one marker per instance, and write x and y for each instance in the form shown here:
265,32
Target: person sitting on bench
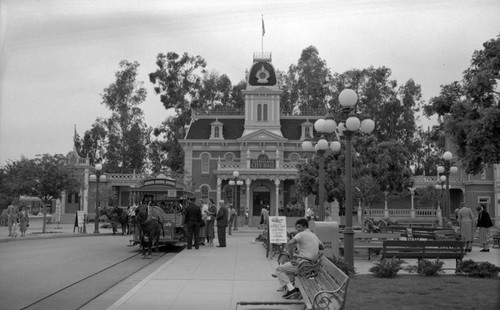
308,246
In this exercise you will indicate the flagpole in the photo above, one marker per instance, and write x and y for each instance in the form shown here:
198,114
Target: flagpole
262,37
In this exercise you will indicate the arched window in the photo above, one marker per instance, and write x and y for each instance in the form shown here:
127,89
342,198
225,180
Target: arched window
205,163
294,158
204,192
259,112
264,112
229,157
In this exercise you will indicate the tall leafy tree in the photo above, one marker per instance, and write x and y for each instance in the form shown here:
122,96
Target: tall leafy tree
392,108
128,136
177,80
470,109
121,140
306,85
45,177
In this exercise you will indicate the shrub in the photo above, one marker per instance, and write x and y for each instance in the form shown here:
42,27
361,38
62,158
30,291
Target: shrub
343,265
471,268
427,267
387,268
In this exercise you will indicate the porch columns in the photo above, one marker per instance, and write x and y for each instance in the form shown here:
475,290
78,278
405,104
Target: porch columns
247,198
219,182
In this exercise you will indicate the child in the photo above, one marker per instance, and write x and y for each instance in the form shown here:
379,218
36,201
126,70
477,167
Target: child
14,229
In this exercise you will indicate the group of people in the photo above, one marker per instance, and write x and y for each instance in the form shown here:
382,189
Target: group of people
468,224
200,221
17,218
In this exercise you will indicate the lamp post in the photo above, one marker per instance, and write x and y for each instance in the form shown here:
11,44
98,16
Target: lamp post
348,100
445,170
97,178
324,128
440,186
236,182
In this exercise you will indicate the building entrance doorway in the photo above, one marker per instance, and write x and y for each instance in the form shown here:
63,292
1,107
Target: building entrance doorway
261,198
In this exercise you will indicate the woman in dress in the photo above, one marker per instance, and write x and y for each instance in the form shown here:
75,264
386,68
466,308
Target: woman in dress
466,221
210,222
24,221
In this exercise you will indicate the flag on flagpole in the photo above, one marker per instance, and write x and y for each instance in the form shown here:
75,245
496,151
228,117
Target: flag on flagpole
263,28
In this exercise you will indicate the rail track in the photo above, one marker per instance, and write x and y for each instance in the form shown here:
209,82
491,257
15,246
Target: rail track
83,291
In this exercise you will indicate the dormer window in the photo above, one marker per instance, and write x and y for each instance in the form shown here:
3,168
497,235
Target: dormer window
216,131
307,130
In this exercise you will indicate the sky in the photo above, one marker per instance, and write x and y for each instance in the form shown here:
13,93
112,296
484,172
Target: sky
57,56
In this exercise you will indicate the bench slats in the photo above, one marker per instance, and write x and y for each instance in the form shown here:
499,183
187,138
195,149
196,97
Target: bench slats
328,288
441,249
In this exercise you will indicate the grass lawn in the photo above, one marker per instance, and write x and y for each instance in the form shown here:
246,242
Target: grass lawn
421,292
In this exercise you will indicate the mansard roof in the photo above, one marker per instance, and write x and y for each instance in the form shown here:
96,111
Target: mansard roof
233,128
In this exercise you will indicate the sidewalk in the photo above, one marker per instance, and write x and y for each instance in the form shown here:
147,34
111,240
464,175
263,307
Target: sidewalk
52,230
217,278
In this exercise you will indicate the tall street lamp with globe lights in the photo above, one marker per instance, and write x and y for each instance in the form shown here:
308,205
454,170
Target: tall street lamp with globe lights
348,100
97,177
236,182
325,128
445,171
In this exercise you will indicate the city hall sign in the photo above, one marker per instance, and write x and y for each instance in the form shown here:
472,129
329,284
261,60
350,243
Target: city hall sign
262,162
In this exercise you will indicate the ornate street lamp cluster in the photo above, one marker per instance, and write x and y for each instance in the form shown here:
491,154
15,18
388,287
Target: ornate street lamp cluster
236,182
97,177
348,126
445,171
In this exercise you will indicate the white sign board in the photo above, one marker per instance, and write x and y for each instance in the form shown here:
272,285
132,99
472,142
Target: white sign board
277,229
80,216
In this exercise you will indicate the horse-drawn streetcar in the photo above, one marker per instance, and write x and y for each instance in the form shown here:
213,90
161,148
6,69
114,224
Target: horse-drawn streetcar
162,202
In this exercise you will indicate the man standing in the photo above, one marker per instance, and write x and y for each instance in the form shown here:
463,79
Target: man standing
222,224
12,212
193,221
308,246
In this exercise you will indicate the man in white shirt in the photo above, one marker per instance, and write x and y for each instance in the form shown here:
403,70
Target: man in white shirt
308,246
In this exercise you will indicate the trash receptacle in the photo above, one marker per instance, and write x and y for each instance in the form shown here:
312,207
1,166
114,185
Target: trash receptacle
328,233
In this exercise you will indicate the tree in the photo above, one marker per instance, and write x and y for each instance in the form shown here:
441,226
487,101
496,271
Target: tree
392,108
470,110
185,86
306,86
127,134
45,177
121,141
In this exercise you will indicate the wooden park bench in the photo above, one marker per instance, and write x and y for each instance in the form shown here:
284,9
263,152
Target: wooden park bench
370,241
429,249
322,286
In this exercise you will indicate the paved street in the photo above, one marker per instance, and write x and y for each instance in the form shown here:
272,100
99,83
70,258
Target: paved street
38,265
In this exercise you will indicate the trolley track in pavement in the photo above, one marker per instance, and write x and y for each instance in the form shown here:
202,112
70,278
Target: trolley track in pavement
85,290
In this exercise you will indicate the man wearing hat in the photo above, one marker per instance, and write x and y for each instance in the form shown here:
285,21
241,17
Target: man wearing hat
192,220
221,224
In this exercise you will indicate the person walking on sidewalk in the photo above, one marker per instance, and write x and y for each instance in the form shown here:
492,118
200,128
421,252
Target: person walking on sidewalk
466,221
12,212
222,224
193,222
484,223
232,218
24,221
308,246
